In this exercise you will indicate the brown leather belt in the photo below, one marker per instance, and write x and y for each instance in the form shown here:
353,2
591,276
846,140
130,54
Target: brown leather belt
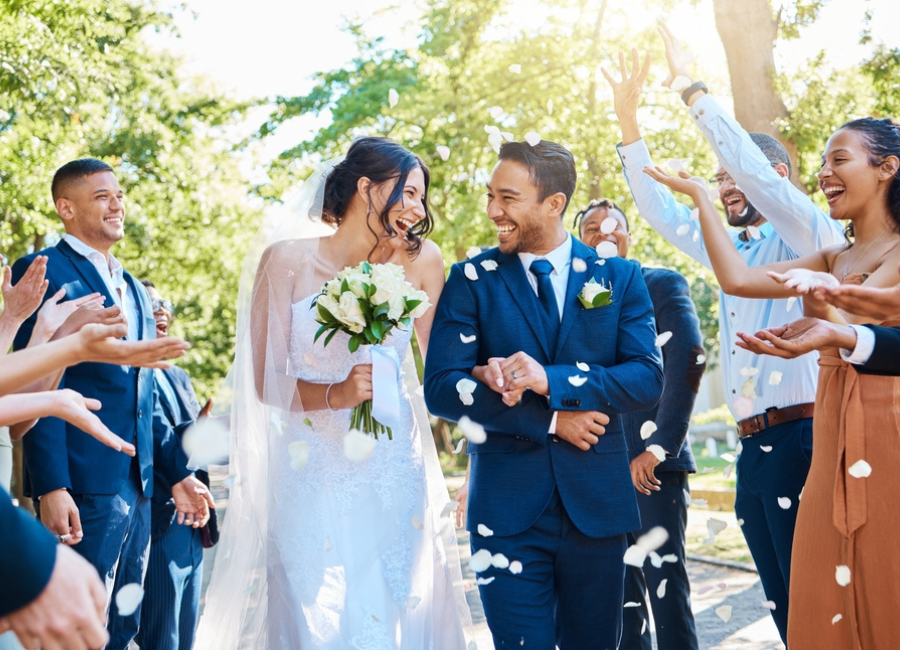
773,417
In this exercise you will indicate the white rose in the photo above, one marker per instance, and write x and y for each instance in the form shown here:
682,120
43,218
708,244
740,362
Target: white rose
390,271
355,280
591,289
388,289
333,289
397,305
350,313
420,310
329,304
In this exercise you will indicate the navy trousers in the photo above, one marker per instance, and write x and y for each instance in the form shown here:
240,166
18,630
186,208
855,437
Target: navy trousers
763,477
672,614
116,542
172,590
569,592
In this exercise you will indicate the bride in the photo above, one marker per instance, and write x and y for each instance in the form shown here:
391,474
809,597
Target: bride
319,551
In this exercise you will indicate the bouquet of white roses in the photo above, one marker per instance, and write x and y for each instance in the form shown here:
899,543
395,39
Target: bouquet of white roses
367,302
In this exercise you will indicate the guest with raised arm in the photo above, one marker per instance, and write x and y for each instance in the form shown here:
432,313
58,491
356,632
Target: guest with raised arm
778,414
843,593
661,484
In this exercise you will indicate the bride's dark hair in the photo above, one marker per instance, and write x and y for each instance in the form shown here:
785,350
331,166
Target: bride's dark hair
380,160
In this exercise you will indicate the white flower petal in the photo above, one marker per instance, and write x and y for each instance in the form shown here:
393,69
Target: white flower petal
705,589
577,380
472,251
417,522
412,602
653,538
754,232
860,469
467,398
671,557
443,152
683,229
784,502
648,428
608,225
495,112
466,385
470,271
489,265
715,526
358,446
420,391
724,612
578,265
500,561
484,531
631,604
299,452
680,83
635,556
740,522
473,431
695,214
128,598
600,262
743,408
749,371
701,359
467,339
696,236
206,441
765,448
663,338
768,604
607,249
790,303
449,507
727,471
775,378
459,446
836,618
515,68
748,389
842,575
485,581
533,138
699,502
582,366
661,590
728,457
393,97
515,567
676,165
687,497
480,561
655,559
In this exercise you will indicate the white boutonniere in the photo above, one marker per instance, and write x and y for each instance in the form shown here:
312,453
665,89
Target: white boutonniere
595,294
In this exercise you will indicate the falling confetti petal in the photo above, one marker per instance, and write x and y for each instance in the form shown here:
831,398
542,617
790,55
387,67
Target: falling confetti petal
358,446
500,561
784,502
467,339
663,338
473,431
480,560
766,448
728,457
489,265
466,385
655,559
515,68
790,303
647,429
743,407
842,575
515,567
748,389
683,229
727,471
449,507
582,366
484,531
393,97
609,224
695,214
703,590
472,252
643,626
775,378
680,83
676,165
495,112
299,451
653,538
699,502
749,371
754,232
128,598
687,497
635,556
206,442
696,236
607,249
631,604
661,590
715,526
577,380
459,446
532,138
484,581
412,602
578,265
467,398
768,604
443,152
470,271
836,618
724,612
701,359
671,557
417,522
860,469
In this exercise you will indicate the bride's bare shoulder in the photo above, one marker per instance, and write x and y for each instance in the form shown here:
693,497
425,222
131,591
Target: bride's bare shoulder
290,251
430,256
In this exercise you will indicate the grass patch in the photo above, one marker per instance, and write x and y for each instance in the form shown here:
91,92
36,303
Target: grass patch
710,471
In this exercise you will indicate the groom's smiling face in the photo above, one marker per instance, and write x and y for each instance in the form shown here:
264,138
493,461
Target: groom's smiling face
524,223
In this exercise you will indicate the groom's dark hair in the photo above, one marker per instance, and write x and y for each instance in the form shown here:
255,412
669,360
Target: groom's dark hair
550,165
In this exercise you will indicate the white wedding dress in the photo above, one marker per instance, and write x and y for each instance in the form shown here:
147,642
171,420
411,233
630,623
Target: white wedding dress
357,553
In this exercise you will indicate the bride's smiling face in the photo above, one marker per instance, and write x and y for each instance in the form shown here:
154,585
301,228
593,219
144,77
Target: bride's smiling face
406,212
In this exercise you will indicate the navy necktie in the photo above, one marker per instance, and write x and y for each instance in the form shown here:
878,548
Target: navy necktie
542,270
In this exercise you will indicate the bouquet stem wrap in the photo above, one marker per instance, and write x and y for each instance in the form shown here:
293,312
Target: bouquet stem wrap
381,413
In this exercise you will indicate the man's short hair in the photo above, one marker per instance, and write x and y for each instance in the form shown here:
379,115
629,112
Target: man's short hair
550,165
772,149
148,284
599,203
76,170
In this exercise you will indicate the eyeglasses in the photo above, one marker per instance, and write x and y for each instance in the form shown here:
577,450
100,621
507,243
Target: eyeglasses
162,305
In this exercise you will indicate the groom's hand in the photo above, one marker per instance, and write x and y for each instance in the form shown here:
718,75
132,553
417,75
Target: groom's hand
521,372
581,428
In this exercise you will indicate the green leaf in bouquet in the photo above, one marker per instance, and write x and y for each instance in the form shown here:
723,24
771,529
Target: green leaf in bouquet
602,299
321,331
412,304
325,316
370,337
371,290
405,321
345,286
354,342
382,310
366,268
367,310
377,328
331,336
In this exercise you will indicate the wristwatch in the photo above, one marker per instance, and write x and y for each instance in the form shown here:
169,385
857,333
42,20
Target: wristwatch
690,90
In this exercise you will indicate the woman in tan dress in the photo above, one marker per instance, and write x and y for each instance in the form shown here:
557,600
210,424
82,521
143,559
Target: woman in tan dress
845,573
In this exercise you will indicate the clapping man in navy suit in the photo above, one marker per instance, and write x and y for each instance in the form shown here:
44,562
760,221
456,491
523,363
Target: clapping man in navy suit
91,497
545,345
662,484
175,569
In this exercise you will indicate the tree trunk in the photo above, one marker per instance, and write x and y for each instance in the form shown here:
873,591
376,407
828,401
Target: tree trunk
748,32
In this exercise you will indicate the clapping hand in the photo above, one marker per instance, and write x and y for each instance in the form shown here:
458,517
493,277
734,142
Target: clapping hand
798,338
54,314
678,58
22,299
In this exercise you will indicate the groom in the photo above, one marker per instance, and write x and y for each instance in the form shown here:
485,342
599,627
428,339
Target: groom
550,486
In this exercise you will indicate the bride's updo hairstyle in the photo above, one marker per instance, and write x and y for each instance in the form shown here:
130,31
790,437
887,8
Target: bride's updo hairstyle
380,160
882,139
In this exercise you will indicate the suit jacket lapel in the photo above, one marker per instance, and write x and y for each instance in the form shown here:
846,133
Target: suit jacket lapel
87,270
510,269
571,306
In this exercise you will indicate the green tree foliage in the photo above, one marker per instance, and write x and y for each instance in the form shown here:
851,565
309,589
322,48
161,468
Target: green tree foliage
78,78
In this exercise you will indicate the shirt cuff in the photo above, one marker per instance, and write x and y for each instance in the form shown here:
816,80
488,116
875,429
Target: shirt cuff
634,155
705,109
552,430
865,345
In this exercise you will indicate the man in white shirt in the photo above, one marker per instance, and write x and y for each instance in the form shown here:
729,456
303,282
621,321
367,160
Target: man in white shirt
771,398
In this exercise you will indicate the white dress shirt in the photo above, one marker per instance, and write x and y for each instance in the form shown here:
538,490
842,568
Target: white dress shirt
794,228
865,346
113,275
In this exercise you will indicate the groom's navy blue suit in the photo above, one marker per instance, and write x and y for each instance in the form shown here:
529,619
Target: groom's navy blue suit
562,511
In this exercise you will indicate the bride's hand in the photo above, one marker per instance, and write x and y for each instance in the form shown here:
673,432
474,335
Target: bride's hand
354,390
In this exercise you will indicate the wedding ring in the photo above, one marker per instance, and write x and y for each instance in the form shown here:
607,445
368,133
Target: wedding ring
63,538
514,374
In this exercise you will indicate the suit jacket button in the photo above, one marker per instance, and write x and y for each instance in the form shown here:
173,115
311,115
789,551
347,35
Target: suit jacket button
555,438
140,413
578,402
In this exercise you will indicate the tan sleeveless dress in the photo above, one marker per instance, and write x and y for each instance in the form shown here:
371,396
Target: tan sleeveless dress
850,522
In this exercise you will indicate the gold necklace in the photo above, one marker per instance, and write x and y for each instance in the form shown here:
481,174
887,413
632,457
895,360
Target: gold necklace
861,255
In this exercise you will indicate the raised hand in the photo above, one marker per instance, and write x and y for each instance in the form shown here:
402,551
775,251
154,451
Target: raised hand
642,473
678,58
192,502
103,344
627,93
798,338
694,186
54,314
22,299
581,428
